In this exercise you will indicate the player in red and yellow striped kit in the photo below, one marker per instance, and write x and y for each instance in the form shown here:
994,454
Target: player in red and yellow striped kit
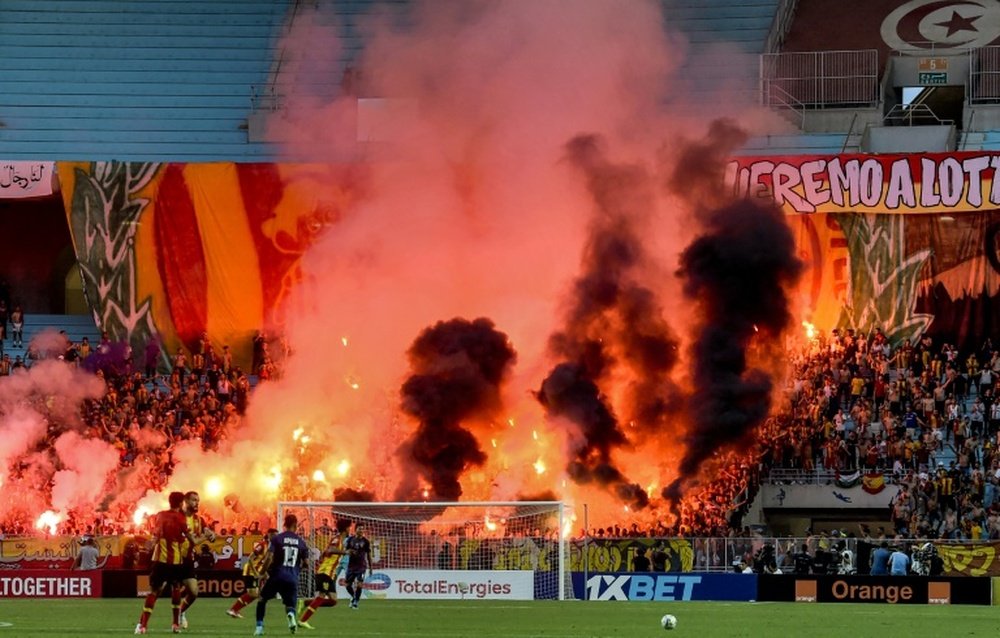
253,574
199,532
326,579
170,536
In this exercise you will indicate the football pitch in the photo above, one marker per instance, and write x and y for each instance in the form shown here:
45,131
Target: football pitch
469,619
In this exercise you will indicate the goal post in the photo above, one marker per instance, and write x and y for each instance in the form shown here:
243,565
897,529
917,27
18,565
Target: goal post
514,550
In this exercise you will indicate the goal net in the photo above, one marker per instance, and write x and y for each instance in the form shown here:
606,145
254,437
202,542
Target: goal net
475,551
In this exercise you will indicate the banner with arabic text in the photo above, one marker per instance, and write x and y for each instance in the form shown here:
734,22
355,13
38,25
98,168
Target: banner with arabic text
908,244
20,180
116,552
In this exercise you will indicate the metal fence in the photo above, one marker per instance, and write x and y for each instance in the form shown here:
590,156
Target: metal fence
723,555
820,79
817,476
984,75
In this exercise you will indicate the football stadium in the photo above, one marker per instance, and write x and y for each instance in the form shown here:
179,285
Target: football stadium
519,318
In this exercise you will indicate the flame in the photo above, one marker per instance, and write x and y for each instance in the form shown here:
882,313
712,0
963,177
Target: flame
352,383
534,434
319,476
50,520
273,480
427,494
511,421
343,340
343,467
811,331
490,525
755,328
493,442
141,513
567,529
297,433
540,466
214,487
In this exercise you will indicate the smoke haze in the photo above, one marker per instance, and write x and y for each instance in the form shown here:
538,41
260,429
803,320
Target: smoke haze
518,165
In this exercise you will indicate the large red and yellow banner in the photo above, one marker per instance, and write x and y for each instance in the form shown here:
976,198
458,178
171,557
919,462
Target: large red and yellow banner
904,243
908,244
180,250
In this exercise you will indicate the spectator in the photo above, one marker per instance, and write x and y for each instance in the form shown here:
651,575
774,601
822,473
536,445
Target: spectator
87,556
899,563
880,560
640,562
205,559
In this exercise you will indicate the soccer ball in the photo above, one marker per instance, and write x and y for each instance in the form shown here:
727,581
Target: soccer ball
669,621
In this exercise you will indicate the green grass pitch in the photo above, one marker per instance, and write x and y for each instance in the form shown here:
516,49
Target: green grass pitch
542,619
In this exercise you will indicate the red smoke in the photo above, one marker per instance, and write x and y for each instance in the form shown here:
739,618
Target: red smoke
474,208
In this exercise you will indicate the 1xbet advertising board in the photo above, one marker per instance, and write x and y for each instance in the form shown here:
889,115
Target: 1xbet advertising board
664,586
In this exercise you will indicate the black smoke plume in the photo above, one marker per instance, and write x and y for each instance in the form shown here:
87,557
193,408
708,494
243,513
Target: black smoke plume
613,322
736,274
457,369
698,167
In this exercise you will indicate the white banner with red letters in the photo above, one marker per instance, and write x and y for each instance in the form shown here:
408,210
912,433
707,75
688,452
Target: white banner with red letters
26,179
426,584
55,583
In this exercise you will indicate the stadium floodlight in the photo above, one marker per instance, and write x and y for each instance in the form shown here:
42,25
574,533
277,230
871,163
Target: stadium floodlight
467,550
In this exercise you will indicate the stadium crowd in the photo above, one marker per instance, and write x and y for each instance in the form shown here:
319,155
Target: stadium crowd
922,415
852,402
151,403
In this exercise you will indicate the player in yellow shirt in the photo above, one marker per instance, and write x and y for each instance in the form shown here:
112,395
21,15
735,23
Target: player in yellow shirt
200,532
326,579
253,574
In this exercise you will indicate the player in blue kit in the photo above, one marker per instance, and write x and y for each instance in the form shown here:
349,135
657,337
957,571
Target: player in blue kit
287,553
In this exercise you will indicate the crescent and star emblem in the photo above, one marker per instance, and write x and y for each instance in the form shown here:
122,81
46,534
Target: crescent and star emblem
942,26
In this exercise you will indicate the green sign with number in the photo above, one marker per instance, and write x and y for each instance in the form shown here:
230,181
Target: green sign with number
932,78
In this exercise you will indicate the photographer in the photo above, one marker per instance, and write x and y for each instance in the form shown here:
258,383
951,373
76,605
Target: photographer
764,562
802,561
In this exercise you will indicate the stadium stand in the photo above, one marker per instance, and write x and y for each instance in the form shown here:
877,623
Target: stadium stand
180,80
134,80
74,327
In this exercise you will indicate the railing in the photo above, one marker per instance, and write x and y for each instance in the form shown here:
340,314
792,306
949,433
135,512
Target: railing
267,98
780,26
914,115
720,554
783,476
777,98
984,75
821,79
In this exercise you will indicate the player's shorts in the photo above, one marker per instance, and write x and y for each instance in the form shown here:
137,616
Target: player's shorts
355,575
325,584
251,582
288,591
188,568
165,573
